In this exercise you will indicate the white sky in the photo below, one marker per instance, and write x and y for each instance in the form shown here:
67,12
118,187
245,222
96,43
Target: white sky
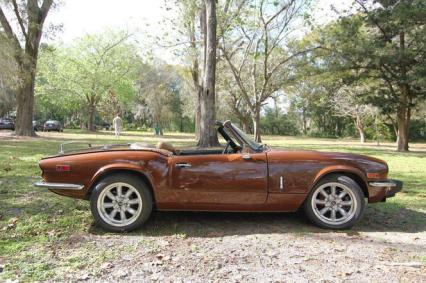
90,16
140,17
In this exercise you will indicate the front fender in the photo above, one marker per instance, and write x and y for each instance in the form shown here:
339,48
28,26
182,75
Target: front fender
340,169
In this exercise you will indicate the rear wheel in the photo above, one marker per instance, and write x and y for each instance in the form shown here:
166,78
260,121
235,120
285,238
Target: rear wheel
336,202
121,203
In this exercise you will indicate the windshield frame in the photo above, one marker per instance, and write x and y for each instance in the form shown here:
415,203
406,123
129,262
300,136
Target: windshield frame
244,137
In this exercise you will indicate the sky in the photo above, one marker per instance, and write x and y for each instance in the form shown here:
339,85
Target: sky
90,16
141,17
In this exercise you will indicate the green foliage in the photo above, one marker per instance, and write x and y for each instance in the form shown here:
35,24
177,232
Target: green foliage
73,80
275,122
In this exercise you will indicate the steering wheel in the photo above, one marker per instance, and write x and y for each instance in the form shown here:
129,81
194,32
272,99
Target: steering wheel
225,150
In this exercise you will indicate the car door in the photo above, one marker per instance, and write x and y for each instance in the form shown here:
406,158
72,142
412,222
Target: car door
220,179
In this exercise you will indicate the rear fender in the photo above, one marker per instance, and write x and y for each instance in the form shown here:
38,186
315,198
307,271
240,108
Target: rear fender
110,168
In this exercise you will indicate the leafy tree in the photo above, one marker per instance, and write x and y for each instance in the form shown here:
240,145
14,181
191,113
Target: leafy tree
25,38
159,86
387,43
54,100
93,67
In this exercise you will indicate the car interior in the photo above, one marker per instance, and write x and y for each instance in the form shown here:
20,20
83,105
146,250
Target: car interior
230,147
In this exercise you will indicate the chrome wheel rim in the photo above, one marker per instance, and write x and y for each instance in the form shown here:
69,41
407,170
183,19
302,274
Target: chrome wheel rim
334,203
119,204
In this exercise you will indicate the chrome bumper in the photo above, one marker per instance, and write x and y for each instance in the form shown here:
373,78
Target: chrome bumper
58,186
392,186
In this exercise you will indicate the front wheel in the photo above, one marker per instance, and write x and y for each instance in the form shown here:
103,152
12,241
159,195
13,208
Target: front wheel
121,202
336,202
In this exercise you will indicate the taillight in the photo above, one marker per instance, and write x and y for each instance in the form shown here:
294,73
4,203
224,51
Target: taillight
63,168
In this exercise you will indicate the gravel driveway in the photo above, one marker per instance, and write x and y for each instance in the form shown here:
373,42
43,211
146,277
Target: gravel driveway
225,247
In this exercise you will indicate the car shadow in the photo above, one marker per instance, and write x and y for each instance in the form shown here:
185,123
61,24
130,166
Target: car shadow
219,224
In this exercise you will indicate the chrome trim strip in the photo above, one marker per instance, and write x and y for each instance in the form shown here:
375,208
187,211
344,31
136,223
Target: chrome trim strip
58,186
383,184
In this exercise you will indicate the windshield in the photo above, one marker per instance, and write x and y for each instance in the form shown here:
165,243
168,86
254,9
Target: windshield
248,139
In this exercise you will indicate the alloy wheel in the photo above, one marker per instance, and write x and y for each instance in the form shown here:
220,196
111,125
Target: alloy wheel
119,204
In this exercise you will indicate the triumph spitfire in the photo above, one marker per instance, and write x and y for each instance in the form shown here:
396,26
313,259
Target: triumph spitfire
126,182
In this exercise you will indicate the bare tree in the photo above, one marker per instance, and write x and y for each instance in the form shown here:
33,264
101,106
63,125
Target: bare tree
25,39
257,52
346,103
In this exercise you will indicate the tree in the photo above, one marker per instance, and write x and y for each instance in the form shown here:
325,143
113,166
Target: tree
7,79
233,99
53,99
91,68
386,43
399,32
30,17
159,86
347,102
208,134
258,51
194,27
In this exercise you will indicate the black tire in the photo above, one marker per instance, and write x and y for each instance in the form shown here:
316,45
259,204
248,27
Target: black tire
354,214
136,183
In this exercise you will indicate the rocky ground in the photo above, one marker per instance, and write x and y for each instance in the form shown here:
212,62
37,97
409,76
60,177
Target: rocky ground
221,247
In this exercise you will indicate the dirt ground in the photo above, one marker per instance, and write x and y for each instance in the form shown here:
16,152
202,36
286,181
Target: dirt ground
219,247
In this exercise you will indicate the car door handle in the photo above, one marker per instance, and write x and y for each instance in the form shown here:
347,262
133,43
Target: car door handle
246,156
183,165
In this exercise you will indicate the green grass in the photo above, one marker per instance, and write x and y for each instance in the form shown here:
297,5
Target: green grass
37,227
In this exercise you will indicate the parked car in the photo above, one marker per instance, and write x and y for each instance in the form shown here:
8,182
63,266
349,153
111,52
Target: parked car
106,126
52,125
126,182
7,124
37,126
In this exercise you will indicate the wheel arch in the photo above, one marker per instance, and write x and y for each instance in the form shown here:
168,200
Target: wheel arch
352,173
105,172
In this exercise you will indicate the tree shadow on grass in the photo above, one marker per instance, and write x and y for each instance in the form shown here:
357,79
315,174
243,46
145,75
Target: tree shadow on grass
219,224
381,217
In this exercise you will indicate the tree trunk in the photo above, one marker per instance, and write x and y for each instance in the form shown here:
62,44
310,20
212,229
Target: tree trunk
195,72
404,106
91,117
360,127
403,121
208,134
361,135
198,115
245,124
256,125
25,102
304,122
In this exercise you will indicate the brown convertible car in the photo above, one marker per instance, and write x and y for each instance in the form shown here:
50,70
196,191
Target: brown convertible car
126,182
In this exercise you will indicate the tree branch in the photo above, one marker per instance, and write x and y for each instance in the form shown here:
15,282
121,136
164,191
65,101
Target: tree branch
45,7
8,30
19,18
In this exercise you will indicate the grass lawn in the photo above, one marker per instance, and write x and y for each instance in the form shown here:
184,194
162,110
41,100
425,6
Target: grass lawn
36,225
